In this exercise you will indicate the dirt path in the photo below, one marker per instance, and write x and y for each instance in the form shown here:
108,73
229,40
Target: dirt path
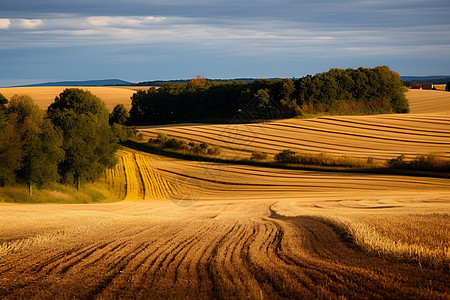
213,249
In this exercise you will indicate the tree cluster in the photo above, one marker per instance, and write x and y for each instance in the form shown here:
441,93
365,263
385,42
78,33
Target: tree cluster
360,91
71,142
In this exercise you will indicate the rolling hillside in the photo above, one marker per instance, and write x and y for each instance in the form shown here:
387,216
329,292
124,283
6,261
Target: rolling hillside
425,130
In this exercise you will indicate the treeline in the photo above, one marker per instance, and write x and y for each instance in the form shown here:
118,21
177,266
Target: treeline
71,142
412,82
349,91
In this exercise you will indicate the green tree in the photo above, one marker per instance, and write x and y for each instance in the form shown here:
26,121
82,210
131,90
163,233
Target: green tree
3,102
44,152
42,143
262,98
89,142
11,153
119,115
447,87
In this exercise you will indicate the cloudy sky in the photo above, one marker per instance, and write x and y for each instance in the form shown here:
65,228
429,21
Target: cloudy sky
138,40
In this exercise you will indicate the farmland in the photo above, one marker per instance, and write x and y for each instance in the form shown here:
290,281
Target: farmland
426,130
44,96
198,229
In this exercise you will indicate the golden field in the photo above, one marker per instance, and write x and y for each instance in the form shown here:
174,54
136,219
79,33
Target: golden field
196,229
426,130
44,96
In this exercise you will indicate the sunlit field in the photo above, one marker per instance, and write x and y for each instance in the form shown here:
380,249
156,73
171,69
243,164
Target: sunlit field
44,96
199,229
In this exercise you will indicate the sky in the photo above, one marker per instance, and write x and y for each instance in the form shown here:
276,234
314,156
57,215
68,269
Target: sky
141,40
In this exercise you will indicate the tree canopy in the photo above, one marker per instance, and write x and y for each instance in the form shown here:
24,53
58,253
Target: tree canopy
3,102
119,115
41,142
88,141
349,91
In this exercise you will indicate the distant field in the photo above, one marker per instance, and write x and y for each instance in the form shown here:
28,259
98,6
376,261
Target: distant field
440,87
429,101
44,96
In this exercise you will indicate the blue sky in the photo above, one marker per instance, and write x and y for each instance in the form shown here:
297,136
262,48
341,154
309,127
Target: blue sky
137,40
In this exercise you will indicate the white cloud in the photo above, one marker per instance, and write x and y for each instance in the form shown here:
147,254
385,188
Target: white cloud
234,36
105,21
27,23
5,23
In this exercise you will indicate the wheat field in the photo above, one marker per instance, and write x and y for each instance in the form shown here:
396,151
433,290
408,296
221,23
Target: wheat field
44,96
426,130
196,229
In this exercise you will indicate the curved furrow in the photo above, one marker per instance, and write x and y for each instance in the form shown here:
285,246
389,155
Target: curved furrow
347,181
342,267
239,278
275,142
365,136
376,123
262,175
114,269
48,265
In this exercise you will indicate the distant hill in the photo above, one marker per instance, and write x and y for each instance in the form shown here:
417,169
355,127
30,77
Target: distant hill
104,82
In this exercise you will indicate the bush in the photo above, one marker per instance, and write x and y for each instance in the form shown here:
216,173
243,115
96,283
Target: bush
287,156
162,138
164,141
422,162
322,159
397,162
258,155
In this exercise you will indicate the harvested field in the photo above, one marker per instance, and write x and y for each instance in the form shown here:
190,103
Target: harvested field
429,101
379,136
44,96
233,248
425,131
241,232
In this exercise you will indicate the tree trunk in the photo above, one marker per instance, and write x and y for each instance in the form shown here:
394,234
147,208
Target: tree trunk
29,188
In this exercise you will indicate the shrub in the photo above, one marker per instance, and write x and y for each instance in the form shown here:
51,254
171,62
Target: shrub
397,162
213,150
164,141
287,156
258,155
162,138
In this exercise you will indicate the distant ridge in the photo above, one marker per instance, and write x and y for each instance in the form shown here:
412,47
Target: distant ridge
103,82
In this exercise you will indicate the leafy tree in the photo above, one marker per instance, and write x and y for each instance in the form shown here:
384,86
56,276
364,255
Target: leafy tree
44,152
42,143
89,142
447,87
11,153
119,115
3,102
262,98
198,82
